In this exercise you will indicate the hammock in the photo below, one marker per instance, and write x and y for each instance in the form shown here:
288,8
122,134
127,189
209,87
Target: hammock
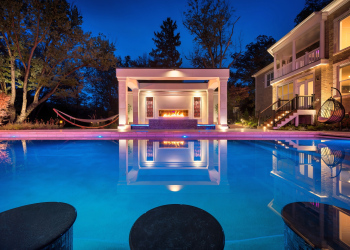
331,111
64,115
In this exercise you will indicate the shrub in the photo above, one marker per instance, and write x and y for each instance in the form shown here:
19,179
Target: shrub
4,105
251,122
50,124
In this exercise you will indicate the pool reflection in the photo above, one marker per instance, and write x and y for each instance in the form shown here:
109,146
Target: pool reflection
310,171
173,163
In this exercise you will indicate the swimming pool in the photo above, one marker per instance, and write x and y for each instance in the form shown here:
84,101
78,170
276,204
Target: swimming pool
243,184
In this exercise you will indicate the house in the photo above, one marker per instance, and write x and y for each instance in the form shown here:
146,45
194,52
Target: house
172,98
308,61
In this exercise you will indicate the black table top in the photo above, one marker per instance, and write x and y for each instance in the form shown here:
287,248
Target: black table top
176,226
35,226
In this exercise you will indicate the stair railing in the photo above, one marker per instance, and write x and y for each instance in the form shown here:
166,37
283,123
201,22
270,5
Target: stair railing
267,112
298,102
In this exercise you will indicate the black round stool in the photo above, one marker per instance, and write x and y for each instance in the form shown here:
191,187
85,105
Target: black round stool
176,226
47,225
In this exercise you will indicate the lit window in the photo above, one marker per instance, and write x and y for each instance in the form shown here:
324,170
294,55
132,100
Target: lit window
344,79
344,33
269,78
285,92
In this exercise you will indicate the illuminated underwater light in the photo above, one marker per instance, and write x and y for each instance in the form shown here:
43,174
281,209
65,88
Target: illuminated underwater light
184,136
100,136
13,136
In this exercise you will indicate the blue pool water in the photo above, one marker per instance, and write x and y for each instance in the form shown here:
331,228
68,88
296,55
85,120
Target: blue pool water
243,184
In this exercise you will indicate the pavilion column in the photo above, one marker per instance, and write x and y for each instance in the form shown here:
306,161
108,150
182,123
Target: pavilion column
210,106
135,105
123,102
223,102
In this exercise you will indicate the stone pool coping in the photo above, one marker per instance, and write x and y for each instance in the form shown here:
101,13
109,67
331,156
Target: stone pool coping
115,134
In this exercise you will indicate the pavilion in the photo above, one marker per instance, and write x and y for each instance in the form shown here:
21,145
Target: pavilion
147,95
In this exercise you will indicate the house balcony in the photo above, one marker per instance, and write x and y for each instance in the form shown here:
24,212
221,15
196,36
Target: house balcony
301,49
303,61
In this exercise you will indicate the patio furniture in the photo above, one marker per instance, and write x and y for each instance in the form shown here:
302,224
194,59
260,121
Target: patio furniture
331,111
176,226
333,156
47,225
69,119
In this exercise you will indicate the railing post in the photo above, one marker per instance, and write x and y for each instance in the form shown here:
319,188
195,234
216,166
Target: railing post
312,101
279,103
306,58
258,118
273,118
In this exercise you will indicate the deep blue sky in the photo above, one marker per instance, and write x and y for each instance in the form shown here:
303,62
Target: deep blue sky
131,23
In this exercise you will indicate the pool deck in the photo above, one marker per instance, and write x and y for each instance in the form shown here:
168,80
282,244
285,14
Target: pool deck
115,134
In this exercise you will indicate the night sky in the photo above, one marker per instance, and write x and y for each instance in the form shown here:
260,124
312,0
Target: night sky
131,23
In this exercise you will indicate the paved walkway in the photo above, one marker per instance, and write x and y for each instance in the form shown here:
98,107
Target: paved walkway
115,134
111,134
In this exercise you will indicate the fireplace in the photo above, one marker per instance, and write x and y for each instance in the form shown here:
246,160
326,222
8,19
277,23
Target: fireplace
173,113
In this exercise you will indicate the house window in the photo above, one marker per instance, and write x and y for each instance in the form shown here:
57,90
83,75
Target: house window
344,33
149,107
269,78
285,92
344,79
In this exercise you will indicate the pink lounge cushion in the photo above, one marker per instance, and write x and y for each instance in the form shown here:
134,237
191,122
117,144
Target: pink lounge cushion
322,119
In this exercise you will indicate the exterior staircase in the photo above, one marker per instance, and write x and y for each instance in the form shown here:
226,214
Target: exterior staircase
282,112
281,118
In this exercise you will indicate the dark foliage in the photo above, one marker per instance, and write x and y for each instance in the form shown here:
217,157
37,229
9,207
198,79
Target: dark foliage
310,7
249,62
166,55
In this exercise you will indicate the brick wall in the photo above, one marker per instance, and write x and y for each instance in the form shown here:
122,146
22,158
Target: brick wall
328,72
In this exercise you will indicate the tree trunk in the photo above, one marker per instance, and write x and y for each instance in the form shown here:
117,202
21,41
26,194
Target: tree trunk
12,109
23,116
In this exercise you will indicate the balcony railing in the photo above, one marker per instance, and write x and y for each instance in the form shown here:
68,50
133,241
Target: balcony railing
300,62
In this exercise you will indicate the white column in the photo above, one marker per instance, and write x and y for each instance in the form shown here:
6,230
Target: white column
275,66
223,103
293,55
135,105
210,106
123,103
322,36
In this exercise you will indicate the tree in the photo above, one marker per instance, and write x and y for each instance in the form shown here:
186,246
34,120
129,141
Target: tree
212,24
4,104
253,59
166,55
310,7
51,48
101,91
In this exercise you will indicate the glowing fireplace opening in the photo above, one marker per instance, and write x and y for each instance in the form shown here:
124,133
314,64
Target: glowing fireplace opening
173,113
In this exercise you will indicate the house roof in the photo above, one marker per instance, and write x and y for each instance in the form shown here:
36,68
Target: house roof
330,8
263,70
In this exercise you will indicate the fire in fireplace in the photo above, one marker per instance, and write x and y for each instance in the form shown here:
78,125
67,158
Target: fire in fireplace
173,113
